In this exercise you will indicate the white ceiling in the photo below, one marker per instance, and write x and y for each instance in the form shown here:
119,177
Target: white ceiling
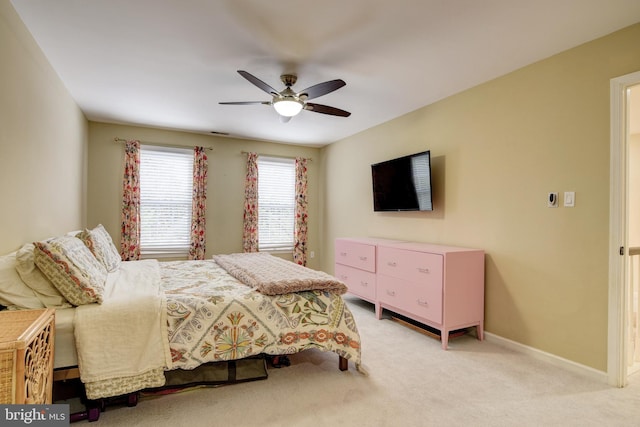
167,64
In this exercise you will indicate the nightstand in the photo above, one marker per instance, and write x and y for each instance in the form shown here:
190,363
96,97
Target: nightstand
26,356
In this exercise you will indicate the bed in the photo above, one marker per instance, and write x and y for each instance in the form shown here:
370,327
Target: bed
123,324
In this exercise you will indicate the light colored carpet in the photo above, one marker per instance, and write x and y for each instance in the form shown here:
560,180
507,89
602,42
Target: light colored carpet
411,382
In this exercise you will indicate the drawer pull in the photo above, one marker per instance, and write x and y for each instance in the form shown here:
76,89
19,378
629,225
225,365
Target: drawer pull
344,277
363,258
365,284
391,293
391,263
423,303
423,270
343,254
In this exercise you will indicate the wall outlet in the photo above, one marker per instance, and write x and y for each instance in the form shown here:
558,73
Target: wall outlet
552,200
312,254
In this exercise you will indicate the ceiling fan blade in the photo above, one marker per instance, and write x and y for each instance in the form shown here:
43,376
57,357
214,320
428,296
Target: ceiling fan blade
325,109
259,83
246,103
322,88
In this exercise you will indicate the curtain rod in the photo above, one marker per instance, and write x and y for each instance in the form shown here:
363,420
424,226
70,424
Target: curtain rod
160,144
310,159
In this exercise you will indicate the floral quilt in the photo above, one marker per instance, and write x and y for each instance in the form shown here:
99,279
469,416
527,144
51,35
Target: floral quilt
213,317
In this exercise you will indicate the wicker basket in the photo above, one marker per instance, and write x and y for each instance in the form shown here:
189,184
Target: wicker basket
26,356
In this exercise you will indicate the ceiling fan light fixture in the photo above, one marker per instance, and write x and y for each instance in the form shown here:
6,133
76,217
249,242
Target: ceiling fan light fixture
288,107
288,103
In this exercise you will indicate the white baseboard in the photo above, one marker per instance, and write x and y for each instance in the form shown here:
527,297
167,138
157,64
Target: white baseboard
551,358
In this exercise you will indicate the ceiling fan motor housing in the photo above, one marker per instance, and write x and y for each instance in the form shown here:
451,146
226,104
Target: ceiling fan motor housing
289,79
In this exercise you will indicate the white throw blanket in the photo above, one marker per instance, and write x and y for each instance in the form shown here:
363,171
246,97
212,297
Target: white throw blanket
123,344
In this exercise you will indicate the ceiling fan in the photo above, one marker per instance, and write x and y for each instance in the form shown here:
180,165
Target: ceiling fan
288,103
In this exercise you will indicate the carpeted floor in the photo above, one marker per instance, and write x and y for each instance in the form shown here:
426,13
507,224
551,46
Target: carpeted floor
411,381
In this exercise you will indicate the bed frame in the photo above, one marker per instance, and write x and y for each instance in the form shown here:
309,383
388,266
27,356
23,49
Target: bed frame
93,408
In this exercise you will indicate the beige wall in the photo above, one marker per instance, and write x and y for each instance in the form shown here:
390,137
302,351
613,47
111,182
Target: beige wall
497,150
43,143
225,188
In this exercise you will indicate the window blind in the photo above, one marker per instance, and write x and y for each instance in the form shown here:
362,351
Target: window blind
421,181
276,203
166,191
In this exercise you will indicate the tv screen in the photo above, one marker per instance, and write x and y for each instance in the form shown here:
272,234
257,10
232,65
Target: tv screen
403,184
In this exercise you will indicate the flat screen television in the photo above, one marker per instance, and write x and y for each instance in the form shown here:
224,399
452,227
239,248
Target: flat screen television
403,184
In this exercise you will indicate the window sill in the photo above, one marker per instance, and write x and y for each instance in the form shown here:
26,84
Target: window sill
159,255
277,251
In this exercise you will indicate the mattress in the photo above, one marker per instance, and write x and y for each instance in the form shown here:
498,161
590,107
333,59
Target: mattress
65,345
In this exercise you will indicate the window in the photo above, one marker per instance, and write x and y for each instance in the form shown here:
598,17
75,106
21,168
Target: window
276,203
166,191
421,173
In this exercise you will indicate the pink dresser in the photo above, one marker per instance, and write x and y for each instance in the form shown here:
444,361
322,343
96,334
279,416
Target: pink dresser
440,286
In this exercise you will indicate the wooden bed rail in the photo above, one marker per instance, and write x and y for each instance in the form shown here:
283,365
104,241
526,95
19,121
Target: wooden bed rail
62,374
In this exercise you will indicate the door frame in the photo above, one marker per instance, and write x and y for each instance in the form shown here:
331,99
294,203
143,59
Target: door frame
618,230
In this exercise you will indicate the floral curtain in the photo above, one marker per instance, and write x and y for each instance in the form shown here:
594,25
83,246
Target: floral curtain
130,231
250,233
197,245
300,227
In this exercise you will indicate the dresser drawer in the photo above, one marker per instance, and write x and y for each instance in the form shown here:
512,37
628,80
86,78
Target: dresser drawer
355,254
419,299
361,283
410,265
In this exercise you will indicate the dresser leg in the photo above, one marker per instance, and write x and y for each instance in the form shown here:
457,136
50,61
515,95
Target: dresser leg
378,311
480,331
444,337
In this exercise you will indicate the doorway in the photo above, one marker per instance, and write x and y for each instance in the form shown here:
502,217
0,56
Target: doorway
624,265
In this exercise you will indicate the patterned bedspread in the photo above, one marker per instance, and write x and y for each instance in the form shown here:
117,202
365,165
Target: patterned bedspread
212,317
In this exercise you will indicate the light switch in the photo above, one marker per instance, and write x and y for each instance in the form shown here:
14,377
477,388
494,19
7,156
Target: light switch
569,199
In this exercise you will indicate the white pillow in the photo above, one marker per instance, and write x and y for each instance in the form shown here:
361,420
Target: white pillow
72,269
34,279
13,291
101,246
